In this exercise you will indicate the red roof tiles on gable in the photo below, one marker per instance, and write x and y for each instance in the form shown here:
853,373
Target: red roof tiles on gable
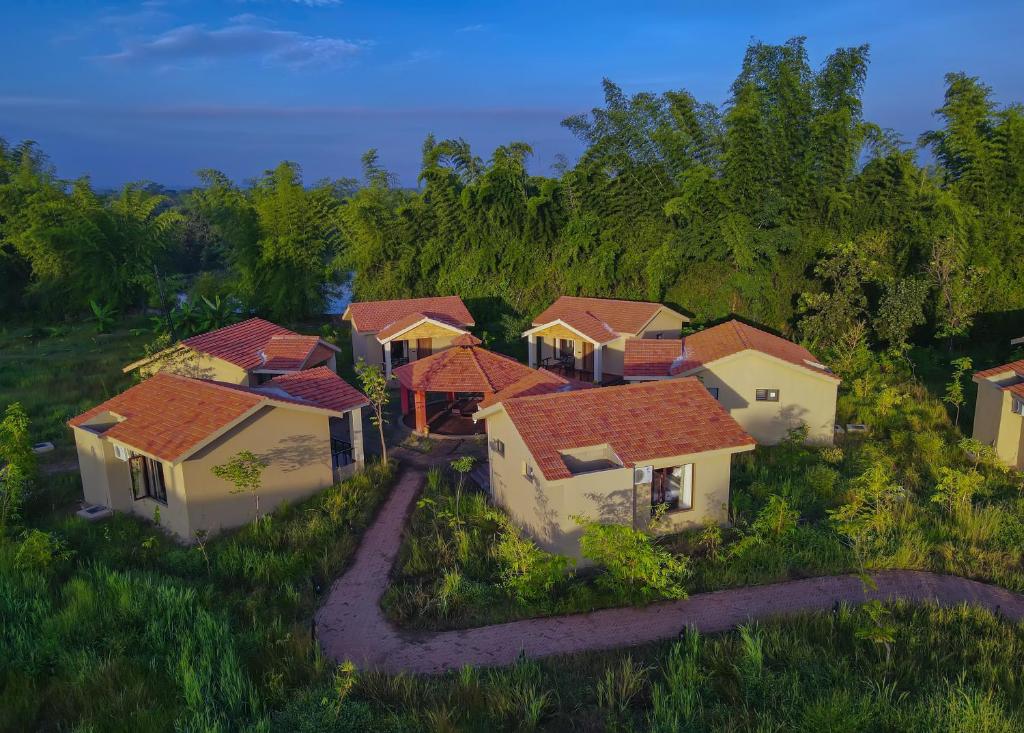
651,357
286,352
703,347
537,382
319,386
641,422
599,317
167,414
373,316
240,343
411,320
1014,367
462,369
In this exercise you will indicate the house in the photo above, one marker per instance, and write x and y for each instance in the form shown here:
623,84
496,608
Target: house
586,337
612,454
151,448
394,332
448,387
248,353
999,411
768,384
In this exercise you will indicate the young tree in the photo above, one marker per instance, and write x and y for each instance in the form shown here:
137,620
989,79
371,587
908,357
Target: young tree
17,464
375,387
901,308
955,388
462,466
245,471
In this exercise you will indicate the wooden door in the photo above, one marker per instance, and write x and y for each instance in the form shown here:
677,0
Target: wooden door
424,348
588,357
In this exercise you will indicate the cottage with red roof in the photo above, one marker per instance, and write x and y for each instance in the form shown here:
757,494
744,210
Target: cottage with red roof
999,411
585,337
249,353
768,384
152,447
613,454
391,333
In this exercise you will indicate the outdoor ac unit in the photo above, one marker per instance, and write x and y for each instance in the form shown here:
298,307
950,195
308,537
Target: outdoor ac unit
643,474
121,453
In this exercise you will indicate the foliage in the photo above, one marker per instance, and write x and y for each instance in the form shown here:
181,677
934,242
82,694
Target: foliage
244,471
375,386
104,316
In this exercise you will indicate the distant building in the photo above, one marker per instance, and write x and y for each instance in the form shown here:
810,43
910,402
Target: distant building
999,411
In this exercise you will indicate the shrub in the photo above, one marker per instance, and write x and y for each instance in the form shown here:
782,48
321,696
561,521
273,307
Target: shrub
635,568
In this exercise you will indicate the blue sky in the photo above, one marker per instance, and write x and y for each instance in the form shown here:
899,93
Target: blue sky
160,88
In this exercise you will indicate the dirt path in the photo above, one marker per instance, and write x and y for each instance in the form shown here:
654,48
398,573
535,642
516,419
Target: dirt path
351,625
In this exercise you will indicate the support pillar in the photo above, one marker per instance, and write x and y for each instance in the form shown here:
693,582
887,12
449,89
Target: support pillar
421,413
355,429
531,350
405,400
598,352
387,360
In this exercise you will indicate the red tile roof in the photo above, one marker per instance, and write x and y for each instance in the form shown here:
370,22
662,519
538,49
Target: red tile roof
1015,367
319,386
641,422
711,344
374,316
462,369
407,322
601,319
167,414
243,343
651,357
537,382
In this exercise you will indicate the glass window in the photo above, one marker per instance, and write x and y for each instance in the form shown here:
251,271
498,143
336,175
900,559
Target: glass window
713,391
673,487
767,395
566,348
1018,406
147,478
498,446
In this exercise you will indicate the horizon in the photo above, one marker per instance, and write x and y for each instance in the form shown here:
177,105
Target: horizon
240,86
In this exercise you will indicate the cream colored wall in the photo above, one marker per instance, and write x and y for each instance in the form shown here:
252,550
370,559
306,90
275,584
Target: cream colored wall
366,347
294,443
439,342
612,358
199,366
803,397
545,509
995,424
666,325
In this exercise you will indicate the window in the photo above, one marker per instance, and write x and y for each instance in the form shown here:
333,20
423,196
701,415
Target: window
767,395
498,446
673,487
1018,406
147,478
566,349
527,471
713,391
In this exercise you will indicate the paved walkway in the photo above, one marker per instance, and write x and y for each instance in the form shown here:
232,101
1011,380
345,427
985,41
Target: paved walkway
351,625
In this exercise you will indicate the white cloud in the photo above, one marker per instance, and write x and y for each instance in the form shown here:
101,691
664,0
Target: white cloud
475,28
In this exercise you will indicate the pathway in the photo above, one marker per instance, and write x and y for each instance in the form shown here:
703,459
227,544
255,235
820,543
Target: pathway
351,624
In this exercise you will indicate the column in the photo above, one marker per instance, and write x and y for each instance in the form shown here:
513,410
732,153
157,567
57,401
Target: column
387,359
598,352
531,350
355,429
405,400
421,412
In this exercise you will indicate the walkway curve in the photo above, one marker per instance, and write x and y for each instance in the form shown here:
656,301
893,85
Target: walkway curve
352,626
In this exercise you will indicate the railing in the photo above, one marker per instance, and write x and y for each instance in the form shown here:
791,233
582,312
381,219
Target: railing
341,453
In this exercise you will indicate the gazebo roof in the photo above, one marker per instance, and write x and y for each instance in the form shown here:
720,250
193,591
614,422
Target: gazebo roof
466,367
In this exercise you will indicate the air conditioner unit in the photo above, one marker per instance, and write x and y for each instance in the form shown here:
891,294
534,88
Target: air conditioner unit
643,474
121,453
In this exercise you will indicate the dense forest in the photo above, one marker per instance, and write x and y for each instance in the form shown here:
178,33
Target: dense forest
784,205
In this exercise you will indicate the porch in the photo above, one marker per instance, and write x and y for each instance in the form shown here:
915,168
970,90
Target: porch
443,414
567,353
346,436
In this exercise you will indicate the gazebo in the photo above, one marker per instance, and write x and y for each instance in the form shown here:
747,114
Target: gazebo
465,375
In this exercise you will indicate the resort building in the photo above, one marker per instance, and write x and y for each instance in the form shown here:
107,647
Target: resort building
999,411
248,353
585,338
440,394
391,333
611,454
768,384
150,450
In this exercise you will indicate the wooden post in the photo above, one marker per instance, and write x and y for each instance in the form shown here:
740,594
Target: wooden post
421,412
405,400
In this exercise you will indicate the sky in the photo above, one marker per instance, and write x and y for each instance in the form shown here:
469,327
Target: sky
158,89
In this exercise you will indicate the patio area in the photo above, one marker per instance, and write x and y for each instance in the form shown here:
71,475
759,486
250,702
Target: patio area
444,422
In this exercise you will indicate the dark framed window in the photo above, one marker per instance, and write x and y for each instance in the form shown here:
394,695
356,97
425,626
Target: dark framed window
767,395
147,478
1018,406
673,487
566,348
713,391
498,446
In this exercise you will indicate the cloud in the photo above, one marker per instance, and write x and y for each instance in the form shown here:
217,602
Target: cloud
244,36
475,28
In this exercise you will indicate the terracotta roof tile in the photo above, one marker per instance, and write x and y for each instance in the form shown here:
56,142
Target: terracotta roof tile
373,316
411,320
711,344
319,386
1015,367
641,422
287,351
167,414
537,382
462,369
240,343
599,317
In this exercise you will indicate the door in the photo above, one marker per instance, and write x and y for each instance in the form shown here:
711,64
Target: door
424,348
566,349
588,357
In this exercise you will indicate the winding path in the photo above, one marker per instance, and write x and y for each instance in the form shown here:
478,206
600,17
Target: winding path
352,626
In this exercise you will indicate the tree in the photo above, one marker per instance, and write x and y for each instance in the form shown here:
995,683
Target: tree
900,310
375,387
462,466
955,387
244,471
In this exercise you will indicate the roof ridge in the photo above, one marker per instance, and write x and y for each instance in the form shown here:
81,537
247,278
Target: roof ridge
480,367
633,386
